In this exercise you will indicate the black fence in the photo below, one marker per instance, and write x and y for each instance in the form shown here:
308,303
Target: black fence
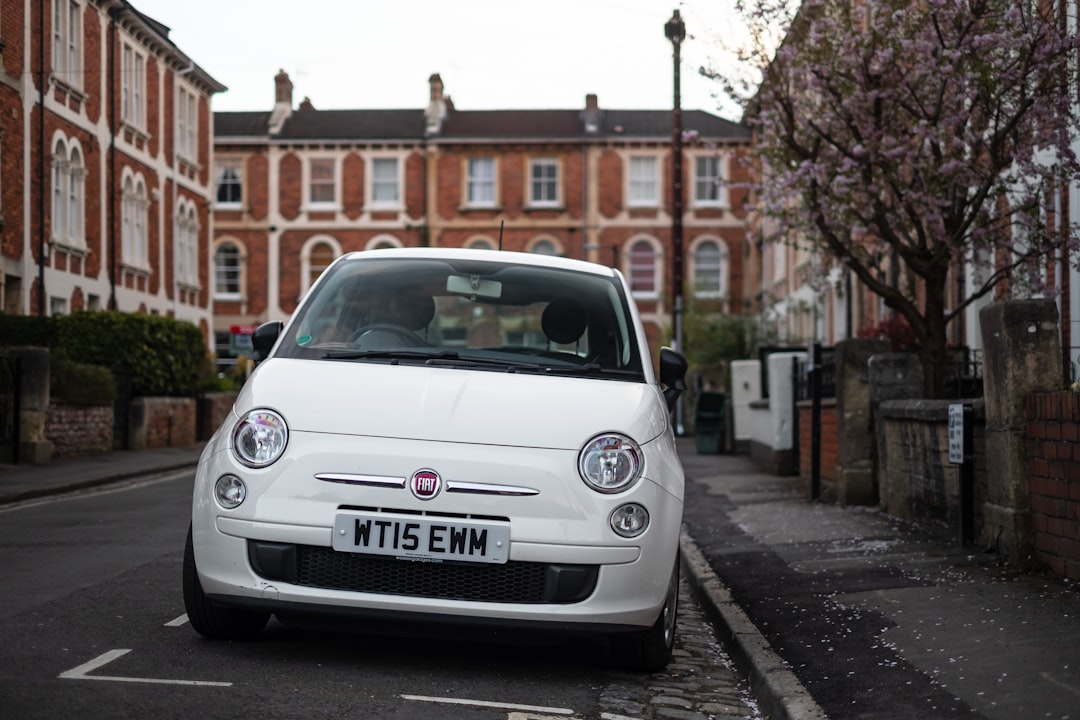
10,395
963,373
826,365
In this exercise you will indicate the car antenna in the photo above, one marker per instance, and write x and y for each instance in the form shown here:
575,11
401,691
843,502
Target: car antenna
501,223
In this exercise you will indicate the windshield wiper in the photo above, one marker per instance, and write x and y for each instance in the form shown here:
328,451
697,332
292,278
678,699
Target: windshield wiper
438,357
381,354
591,369
449,357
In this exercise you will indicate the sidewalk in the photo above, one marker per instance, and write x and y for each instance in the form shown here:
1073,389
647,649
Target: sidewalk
837,612
26,482
873,617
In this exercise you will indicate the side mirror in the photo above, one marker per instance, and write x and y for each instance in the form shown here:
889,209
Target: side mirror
672,375
263,339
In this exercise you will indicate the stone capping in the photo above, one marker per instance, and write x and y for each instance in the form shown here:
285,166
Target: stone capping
929,410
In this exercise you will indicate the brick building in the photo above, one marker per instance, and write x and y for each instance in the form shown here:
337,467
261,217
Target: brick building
297,187
105,163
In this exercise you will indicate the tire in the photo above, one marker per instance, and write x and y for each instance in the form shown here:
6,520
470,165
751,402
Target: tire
650,650
210,620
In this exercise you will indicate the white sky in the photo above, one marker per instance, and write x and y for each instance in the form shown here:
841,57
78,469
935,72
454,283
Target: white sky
491,54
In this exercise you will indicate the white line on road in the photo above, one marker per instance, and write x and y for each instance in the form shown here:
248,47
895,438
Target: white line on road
182,620
96,490
487,704
80,673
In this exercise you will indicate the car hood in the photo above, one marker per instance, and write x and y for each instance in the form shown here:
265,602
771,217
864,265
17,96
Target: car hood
452,404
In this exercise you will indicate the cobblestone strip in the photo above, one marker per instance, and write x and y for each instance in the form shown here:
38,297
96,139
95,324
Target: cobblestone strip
700,683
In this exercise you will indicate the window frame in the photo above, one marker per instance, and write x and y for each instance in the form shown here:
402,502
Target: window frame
234,274
221,166
721,268
376,182
133,86
187,128
306,269
332,183
638,199
67,42
473,182
552,183
134,233
634,271
715,180
187,245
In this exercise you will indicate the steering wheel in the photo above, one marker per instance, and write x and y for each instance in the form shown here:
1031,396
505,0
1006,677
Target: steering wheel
405,336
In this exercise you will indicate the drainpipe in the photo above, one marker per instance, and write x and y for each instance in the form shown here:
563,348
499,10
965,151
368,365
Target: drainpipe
42,144
111,204
176,187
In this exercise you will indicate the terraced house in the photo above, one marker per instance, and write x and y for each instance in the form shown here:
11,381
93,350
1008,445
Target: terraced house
295,187
105,163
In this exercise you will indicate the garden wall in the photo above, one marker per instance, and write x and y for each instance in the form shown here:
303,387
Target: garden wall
79,431
1053,446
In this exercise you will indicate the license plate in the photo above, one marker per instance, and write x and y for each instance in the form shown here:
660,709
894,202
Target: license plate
426,539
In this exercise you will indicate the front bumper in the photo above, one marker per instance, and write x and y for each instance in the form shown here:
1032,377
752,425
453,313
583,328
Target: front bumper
575,570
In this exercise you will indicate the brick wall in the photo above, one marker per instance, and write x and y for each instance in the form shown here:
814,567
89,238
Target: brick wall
1053,448
79,431
157,422
214,408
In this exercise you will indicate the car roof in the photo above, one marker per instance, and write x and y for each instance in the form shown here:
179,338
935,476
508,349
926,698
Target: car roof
499,256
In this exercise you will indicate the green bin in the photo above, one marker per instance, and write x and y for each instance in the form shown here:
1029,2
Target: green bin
710,422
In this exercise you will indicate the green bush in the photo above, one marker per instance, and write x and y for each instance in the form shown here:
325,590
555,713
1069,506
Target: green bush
80,384
163,356
27,331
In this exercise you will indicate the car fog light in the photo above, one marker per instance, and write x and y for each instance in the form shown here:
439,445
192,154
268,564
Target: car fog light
629,520
230,491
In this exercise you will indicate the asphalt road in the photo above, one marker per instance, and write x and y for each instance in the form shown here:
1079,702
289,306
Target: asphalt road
95,628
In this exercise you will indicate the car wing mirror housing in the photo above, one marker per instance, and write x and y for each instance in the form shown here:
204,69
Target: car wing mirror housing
672,375
263,339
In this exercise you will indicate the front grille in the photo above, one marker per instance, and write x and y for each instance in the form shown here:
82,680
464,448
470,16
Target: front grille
513,582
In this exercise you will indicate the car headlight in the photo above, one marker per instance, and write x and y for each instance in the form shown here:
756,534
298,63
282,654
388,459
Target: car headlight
259,438
610,463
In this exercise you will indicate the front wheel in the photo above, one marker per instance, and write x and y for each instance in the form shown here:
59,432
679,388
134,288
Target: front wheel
650,650
210,620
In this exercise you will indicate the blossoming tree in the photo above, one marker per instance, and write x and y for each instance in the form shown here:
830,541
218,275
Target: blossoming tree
934,134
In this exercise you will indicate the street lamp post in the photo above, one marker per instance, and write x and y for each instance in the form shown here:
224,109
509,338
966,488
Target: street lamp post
675,31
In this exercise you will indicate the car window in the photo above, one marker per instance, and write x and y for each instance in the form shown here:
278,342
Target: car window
547,316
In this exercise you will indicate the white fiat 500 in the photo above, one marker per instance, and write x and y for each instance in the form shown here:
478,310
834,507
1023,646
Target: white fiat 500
450,435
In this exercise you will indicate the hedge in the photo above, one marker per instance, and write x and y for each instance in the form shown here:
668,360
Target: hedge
164,356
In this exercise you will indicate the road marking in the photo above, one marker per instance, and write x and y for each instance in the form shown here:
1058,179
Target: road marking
487,704
182,620
96,490
80,673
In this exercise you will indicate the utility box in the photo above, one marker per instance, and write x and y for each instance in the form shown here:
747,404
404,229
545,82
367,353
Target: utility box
710,422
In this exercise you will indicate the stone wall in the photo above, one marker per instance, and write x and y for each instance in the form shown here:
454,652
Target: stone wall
1053,448
79,431
915,479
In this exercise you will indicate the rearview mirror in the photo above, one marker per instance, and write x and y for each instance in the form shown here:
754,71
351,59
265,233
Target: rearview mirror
263,339
672,375
473,286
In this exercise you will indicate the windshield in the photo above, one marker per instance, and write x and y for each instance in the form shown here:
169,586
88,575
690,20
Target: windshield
466,313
